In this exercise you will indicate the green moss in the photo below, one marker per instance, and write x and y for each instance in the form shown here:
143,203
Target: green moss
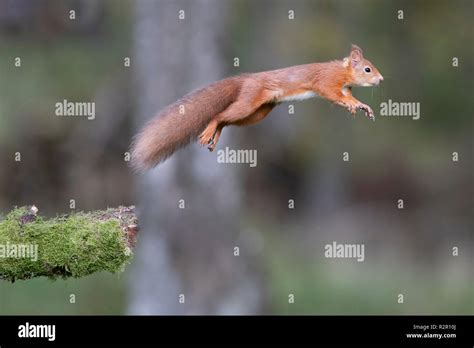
67,246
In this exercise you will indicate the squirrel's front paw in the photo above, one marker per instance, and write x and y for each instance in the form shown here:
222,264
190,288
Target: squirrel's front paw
368,111
352,109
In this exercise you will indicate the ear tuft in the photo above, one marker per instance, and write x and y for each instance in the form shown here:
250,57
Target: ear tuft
356,48
356,54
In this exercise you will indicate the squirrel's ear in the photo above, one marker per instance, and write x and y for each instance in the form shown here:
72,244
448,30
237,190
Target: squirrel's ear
356,54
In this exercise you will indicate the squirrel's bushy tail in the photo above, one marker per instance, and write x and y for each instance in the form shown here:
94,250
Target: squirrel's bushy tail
179,123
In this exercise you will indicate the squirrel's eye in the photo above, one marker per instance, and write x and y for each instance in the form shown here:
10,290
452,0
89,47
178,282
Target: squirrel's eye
367,69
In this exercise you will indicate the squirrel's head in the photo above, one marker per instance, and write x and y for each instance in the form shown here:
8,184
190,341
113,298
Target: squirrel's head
364,73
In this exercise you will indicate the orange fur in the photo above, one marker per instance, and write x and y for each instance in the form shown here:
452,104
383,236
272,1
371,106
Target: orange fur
247,99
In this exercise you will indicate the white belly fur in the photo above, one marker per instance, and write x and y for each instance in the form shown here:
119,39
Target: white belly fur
300,96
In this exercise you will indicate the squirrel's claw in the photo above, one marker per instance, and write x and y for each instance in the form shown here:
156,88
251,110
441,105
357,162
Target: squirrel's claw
211,145
368,111
205,140
353,111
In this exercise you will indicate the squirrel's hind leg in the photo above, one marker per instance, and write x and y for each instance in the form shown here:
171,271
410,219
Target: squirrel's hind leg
215,138
210,135
257,116
207,135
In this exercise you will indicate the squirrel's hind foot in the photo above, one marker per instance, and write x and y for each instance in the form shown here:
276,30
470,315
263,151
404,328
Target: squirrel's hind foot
211,145
210,136
207,137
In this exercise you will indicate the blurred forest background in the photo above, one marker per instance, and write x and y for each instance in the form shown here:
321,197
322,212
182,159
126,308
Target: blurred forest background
191,251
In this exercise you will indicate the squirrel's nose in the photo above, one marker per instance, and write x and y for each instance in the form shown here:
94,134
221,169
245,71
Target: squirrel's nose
381,78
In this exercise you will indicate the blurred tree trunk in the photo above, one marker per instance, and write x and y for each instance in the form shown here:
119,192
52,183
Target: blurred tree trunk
330,192
186,251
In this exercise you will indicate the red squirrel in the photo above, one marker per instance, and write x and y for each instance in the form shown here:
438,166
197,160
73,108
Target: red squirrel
246,99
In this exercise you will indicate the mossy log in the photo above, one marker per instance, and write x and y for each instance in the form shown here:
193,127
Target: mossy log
73,245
